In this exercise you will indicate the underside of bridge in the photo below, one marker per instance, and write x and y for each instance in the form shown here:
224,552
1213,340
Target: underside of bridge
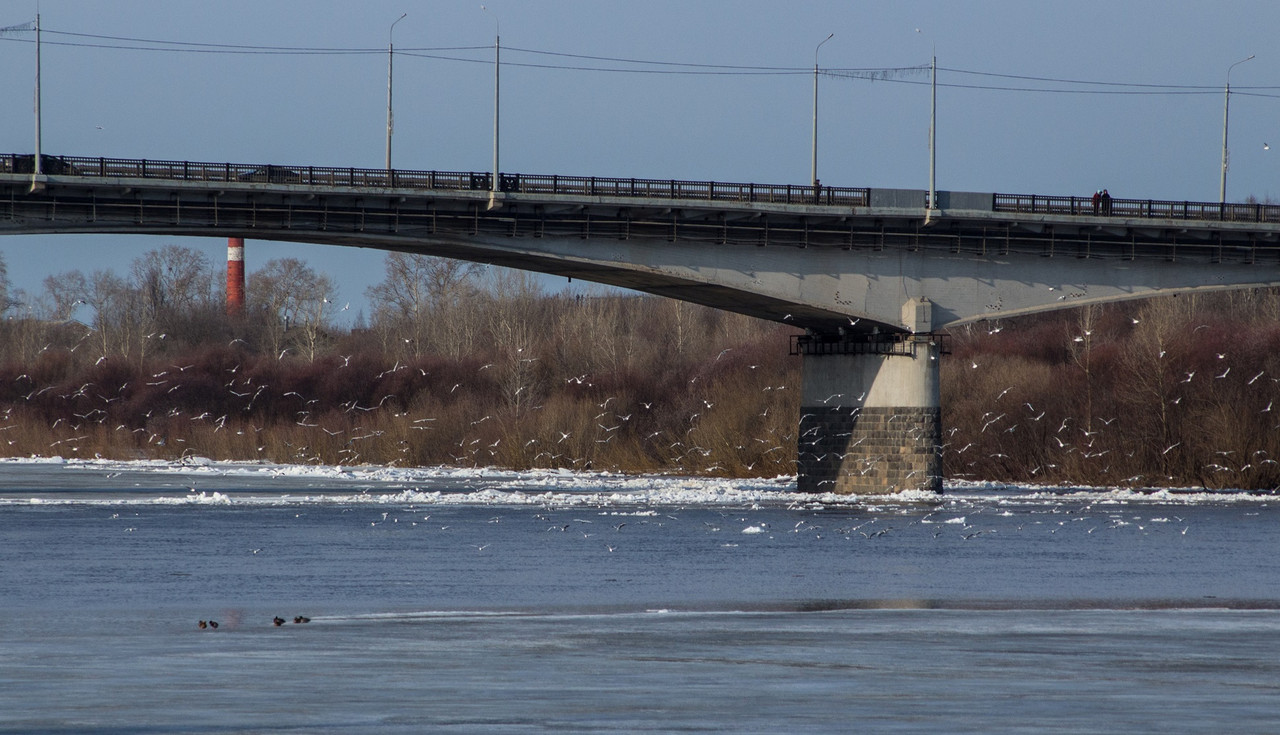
873,286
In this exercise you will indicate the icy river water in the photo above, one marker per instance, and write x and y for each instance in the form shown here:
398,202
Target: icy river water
474,601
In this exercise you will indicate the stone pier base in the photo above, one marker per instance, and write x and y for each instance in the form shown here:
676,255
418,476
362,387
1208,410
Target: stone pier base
870,419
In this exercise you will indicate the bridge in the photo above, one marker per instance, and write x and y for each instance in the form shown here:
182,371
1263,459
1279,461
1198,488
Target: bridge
872,275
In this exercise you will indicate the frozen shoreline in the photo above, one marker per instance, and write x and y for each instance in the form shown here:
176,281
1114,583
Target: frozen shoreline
205,481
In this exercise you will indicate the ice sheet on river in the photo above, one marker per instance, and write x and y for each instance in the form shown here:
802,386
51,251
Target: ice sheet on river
199,480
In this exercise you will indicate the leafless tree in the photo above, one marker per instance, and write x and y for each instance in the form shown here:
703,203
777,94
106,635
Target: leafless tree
67,291
293,305
171,281
419,303
6,300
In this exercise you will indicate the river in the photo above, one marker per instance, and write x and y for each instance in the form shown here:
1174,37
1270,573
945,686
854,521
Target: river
481,601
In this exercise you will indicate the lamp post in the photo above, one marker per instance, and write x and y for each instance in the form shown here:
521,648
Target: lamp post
933,132
390,55
1226,108
497,66
813,170
36,168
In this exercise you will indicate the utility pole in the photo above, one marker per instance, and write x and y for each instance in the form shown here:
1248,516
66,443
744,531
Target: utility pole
813,169
37,169
390,55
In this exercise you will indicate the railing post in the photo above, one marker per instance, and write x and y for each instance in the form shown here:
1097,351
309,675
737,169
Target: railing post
102,166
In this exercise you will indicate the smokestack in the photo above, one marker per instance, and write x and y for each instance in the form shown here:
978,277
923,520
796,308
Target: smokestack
235,276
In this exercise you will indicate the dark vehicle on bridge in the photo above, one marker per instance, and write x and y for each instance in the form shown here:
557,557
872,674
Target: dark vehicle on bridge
54,165
271,175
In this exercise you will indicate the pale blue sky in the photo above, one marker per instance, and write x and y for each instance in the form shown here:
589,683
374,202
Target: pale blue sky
330,109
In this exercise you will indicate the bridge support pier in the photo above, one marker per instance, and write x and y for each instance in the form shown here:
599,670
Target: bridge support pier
870,415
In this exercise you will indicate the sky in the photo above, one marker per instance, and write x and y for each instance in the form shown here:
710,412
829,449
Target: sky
1138,108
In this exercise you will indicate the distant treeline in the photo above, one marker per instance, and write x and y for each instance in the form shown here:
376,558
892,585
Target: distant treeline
459,365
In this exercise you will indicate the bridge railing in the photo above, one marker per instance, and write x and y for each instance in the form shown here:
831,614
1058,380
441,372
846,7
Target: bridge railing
681,189
1138,208
602,186
447,180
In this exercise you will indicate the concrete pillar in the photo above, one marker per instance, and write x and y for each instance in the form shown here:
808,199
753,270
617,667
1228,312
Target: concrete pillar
870,417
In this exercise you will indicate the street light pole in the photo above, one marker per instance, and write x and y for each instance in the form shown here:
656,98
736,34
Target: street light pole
36,169
1226,109
497,67
813,170
933,133
390,55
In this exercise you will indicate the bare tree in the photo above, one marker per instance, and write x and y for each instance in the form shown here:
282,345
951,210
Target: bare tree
292,304
119,321
6,300
172,280
418,302
1080,347
1149,364
512,316
67,291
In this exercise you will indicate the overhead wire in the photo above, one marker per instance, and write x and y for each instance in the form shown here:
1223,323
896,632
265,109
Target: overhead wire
620,65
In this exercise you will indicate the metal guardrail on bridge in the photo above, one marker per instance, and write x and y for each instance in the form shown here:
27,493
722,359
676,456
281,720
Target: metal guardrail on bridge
609,187
1138,208
436,180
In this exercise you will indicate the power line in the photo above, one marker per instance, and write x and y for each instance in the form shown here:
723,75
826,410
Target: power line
901,75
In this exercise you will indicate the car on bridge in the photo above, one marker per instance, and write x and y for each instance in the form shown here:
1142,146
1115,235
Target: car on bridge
271,174
55,165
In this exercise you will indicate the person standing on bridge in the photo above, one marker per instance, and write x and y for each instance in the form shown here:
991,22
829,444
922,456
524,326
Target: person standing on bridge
1097,200
1106,203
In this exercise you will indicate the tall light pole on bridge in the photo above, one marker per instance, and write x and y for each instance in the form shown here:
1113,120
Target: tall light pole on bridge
36,167
497,66
390,54
1226,109
813,170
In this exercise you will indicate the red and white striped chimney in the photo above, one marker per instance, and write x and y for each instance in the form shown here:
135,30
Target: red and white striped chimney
235,276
